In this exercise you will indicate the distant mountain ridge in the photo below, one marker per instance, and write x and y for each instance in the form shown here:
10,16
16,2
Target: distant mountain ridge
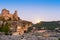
49,25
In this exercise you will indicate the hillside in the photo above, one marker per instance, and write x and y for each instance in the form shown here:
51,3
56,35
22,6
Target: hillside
47,25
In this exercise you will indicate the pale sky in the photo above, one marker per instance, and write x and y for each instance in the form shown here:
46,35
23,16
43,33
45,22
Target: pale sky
34,10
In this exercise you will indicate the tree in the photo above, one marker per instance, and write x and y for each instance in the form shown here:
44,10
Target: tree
5,28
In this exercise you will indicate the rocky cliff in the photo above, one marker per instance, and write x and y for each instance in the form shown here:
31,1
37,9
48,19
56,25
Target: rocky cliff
8,16
16,25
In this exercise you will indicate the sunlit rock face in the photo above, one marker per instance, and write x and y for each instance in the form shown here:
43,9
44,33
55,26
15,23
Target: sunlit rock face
21,27
7,15
17,26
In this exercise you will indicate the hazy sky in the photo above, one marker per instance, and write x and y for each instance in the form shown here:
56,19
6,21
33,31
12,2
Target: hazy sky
33,10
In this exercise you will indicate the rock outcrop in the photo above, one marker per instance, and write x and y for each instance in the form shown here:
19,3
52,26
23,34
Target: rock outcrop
7,16
17,26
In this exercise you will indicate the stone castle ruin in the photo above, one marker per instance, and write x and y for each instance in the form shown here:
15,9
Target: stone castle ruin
17,26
